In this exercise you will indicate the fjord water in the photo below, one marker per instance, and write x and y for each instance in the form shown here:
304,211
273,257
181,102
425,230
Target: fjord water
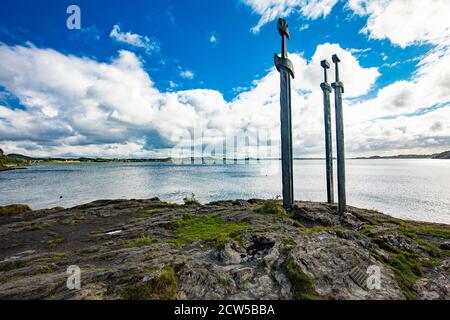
413,189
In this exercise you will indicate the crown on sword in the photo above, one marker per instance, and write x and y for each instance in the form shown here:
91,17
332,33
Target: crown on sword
283,28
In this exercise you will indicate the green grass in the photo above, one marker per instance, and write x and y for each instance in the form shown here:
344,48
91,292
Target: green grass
405,227
298,224
142,242
426,229
146,214
302,285
206,228
57,240
162,287
272,206
407,266
407,269
192,201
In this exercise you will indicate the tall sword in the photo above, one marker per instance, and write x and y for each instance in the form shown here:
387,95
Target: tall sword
338,87
326,88
286,70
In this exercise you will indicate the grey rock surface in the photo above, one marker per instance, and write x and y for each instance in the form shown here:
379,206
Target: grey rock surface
149,249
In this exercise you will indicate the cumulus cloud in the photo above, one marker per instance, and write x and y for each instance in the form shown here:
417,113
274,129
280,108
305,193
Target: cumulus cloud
270,10
134,40
79,106
405,22
187,74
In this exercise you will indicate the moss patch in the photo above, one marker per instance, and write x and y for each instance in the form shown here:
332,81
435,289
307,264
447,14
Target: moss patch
142,242
425,229
407,269
162,287
146,214
408,228
302,284
206,228
272,206
57,240
298,224
191,201
38,226
12,265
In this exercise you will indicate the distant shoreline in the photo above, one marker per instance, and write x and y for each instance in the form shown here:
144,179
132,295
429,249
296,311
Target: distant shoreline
18,161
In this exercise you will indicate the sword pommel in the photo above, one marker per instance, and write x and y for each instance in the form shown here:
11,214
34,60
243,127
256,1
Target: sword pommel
325,64
283,28
336,58
336,61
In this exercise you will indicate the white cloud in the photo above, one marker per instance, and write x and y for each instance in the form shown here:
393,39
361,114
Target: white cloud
187,74
270,10
405,22
173,84
213,38
303,27
134,39
78,106
358,80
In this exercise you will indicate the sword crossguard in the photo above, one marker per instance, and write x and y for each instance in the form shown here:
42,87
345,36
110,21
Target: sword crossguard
283,28
338,83
284,63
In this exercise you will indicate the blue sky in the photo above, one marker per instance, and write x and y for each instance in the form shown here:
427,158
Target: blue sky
183,30
214,45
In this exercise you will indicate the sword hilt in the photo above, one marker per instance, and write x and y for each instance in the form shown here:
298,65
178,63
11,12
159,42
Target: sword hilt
336,61
325,65
283,30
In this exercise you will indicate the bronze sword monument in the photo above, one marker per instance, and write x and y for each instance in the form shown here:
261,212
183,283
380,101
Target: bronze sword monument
326,88
286,70
338,87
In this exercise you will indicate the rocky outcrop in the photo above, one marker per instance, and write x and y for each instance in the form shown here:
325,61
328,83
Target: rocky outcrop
148,249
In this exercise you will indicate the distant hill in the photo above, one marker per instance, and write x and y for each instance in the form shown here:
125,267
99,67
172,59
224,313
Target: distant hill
400,156
10,162
18,157
23,157
443,155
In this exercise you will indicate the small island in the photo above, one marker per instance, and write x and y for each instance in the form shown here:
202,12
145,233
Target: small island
239,249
